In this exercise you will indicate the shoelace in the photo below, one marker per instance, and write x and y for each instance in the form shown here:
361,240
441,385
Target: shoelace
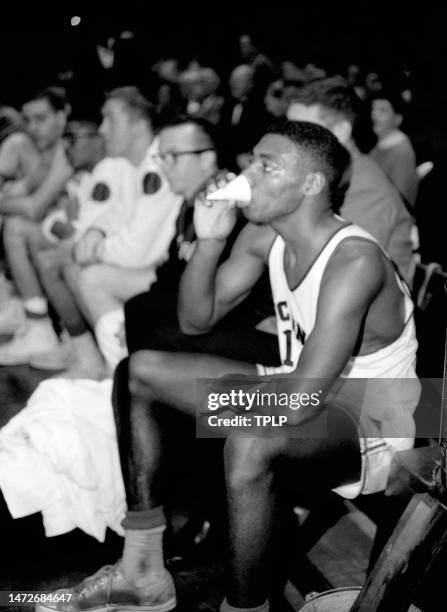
102,577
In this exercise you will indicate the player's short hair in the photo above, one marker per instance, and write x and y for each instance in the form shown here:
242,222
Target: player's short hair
333,94
55,96
135,103
323,151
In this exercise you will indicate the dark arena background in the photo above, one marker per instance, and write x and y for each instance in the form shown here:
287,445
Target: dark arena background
398,42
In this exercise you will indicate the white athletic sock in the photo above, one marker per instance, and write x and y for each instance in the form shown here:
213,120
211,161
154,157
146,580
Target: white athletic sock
226,607
109,332
142,561
36,306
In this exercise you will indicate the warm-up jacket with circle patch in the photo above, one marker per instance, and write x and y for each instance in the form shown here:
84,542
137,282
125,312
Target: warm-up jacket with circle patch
140,225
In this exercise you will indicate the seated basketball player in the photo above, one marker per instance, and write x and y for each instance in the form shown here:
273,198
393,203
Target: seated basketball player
341,311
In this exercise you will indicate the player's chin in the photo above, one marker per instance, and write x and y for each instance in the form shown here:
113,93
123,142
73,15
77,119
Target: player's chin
247,211
252,216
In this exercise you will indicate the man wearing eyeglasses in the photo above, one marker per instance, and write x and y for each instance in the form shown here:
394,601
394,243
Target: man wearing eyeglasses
189,155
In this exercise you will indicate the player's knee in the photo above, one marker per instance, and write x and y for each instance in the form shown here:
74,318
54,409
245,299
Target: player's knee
143,369
145,364
247,462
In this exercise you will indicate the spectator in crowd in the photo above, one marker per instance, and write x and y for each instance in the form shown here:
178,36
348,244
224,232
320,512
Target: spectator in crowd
373,83
199,87
314,72
290,71
168,69
275,100
45,116
116,258
350,284
169,101
370,200
356,79
265,70
243,118
394,152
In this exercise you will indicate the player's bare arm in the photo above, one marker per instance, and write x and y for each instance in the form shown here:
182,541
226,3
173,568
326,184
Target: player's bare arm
208,293
341,316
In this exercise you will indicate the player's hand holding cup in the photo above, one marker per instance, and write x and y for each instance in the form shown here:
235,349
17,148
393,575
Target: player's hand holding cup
214,219
215,211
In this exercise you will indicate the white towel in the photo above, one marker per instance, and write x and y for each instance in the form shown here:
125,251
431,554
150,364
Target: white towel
59,456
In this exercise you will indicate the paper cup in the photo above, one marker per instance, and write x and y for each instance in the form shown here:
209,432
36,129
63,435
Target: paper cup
238,189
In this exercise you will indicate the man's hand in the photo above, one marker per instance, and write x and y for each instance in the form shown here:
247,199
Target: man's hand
214,220
87,248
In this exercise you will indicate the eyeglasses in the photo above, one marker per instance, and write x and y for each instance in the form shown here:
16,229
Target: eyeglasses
72,137
170,157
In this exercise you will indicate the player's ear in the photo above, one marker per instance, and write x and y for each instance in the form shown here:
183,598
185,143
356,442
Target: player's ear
314,183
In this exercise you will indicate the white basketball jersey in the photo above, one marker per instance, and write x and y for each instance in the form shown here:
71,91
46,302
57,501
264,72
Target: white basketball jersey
296,310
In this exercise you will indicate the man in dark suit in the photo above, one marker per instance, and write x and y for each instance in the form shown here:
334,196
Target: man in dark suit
244,117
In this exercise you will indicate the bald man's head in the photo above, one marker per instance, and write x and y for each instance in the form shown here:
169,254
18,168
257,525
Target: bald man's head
241,81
